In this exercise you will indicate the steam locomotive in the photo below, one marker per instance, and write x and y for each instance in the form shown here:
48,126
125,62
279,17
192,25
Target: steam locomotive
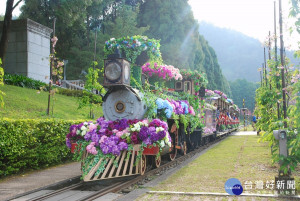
126,99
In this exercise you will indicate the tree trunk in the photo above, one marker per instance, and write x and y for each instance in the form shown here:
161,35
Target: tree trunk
6,28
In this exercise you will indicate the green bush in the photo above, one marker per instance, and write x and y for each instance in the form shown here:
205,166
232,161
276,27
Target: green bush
95,99
70,92
32,144
23,81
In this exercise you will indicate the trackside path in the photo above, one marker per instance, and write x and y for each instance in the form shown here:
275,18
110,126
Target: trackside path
238,156
37,179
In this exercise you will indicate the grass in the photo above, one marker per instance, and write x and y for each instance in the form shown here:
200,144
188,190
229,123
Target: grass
248,128
23,103
240,157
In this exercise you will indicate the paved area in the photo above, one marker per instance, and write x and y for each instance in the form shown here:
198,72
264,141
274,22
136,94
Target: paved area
245,133
23,183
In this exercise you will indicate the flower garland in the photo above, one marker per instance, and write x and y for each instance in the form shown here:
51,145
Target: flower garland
223,95
170,107
162,71
199,78
133,46
208,130
209,93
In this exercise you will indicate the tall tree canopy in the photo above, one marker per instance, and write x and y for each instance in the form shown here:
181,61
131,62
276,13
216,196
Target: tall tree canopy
171,21
243,89
181,44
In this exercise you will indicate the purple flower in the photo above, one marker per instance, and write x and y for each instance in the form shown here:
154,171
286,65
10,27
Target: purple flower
115,150
147,141
95,138
104,148
143,133
68,143
123,146
73,129
88,136
161,134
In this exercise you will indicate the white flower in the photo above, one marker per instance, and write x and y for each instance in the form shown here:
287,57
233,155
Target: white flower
83,133
166,139
158,129
85,123
112,39
162,143
169,144
78,132
83,128
138,43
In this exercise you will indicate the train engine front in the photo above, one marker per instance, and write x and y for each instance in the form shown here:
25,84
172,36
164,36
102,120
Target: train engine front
121,100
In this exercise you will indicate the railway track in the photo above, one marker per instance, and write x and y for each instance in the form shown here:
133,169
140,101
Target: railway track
93,190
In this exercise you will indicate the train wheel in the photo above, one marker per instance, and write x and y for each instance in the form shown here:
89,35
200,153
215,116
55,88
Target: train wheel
174,135
144,164
157,161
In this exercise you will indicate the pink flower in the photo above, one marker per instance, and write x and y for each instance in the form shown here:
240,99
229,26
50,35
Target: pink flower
92,127
191,111
102,139
91,148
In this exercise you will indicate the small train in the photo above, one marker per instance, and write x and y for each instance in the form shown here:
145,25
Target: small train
125,107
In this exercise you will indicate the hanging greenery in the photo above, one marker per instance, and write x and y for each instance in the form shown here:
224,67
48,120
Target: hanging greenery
133,46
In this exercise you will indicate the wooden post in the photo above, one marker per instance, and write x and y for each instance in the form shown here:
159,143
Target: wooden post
244,114
266,79
277,85
269,50
51,66
282,64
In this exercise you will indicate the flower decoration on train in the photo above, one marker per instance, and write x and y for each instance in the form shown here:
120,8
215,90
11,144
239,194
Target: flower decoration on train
199,78
168,107
166,72
133,46
209,93
112,137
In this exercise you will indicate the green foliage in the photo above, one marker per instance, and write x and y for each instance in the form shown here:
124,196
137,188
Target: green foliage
77,23
92,79
23,81
133,46
89,99
70,92
1,83
30,104
242,89
32,144
268,98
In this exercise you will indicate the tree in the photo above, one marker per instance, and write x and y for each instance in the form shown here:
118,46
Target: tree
77,23
10,6
173,23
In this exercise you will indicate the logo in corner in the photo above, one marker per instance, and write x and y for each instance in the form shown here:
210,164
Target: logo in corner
233,187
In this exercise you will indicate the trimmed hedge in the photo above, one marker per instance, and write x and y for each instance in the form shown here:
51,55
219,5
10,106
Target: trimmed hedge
70,92
32,144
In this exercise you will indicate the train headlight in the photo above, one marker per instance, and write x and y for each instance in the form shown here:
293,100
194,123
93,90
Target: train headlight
116,72
113,71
